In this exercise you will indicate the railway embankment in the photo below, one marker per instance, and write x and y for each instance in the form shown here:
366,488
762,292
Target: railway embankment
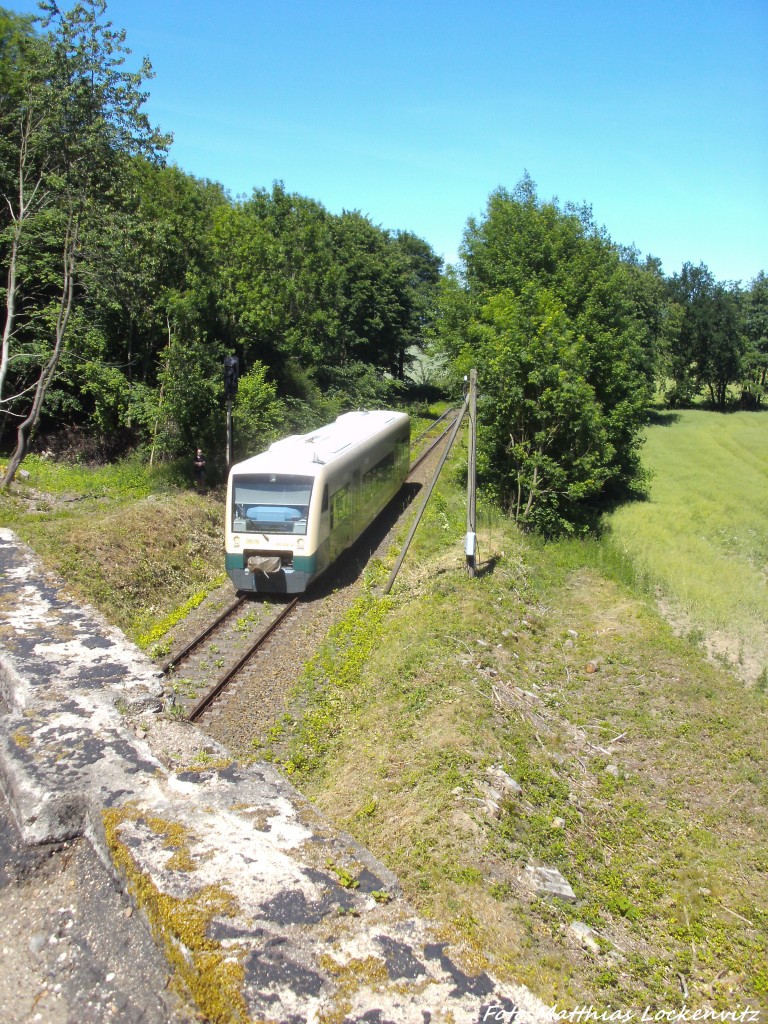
640,763
263,909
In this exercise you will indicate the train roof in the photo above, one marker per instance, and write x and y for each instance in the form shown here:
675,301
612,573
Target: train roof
304,453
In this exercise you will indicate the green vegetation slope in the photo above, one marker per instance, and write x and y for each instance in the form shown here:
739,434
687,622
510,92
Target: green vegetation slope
640,763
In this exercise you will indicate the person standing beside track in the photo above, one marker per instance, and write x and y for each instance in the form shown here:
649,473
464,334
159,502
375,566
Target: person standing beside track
198,466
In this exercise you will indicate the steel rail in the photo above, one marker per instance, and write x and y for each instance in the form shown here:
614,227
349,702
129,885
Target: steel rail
178,658
427,451
433,425
209,697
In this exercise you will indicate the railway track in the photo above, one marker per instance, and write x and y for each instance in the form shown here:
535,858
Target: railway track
215,690
188,672
449,417
247,626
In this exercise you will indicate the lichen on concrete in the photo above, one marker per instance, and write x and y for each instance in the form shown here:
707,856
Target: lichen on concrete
213,977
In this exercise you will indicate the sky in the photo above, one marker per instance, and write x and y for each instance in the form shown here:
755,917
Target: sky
654,113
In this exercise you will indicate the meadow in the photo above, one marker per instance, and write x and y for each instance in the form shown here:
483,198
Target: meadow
702,536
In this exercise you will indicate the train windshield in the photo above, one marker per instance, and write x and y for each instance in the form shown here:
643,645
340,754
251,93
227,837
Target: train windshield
271,503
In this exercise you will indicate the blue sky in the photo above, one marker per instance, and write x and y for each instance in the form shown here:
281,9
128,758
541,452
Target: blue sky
654,113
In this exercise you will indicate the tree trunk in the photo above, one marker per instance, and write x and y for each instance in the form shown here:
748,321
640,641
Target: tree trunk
10,312
161,395
27,426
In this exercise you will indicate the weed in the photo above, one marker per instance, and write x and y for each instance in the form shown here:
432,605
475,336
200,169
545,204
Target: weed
161,650
245,622
346,879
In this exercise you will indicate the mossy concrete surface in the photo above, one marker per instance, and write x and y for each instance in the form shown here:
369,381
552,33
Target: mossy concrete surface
265,912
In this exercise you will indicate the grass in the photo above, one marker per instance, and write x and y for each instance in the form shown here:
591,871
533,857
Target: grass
130,478
703,534
642,765
642,781
127,539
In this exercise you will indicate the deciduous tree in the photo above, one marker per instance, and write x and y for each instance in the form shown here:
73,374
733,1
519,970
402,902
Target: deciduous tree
755,366
547,311
77,117
708,349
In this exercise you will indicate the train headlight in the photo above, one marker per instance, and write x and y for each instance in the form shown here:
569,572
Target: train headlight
236,542
300,545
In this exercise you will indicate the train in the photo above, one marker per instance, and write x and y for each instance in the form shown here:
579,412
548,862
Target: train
294,508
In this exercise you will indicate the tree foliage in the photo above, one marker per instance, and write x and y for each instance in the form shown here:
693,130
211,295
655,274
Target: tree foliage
755,363
708,348
258,413
314,295
126,282
71,119
547,311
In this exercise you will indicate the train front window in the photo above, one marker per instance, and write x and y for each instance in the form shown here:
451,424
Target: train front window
271,503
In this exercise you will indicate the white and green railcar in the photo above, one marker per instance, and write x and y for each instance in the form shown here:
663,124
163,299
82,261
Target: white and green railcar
294,508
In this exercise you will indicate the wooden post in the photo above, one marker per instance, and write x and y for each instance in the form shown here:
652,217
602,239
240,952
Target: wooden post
471,540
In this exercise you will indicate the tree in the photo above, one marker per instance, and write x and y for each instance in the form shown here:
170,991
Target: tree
547,311
546,446
319,299
258,412
75,122
149,273
755,366
420,279
275,282
709,346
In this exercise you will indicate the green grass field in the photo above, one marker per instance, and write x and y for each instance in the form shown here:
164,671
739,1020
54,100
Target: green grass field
703,535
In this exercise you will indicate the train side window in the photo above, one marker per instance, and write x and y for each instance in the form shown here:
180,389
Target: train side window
339,506
379,475
324,506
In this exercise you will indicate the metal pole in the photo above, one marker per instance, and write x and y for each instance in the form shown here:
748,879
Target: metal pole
471,541
420,513
228,432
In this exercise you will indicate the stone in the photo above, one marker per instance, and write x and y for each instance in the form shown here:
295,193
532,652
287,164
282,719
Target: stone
585,935
145,702
504,782
491,809
549,882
